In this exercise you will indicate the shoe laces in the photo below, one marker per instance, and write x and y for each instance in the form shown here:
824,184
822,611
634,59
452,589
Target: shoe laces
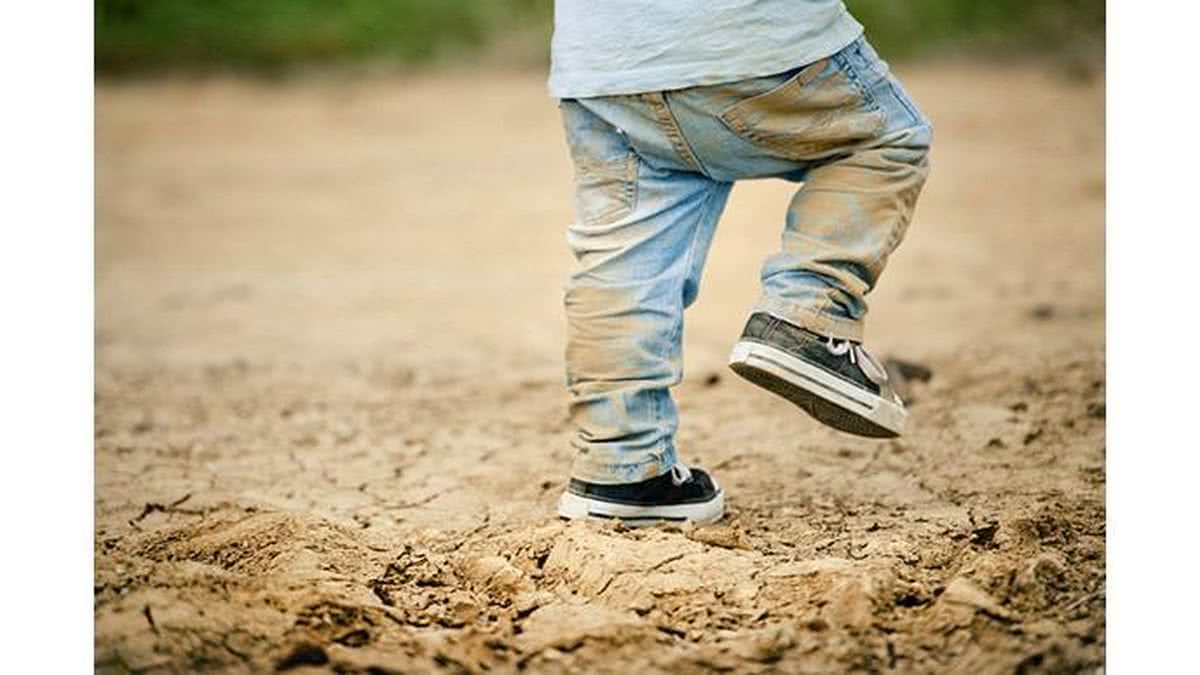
680,474
859,356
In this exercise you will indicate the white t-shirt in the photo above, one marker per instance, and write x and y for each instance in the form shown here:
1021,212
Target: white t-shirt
604,47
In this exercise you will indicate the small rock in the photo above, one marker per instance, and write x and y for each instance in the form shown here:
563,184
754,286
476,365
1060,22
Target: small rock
851,604
460,610
640,602
529,601
497,575
963,591
1044,568
724,537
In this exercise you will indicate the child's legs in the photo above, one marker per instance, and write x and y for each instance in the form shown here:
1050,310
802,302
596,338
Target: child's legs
640,237
841,226
846,128
851,212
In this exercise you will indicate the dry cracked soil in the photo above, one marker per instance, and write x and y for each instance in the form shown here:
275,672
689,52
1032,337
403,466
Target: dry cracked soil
331,430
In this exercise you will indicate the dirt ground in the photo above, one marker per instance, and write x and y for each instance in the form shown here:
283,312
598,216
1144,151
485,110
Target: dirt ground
331,427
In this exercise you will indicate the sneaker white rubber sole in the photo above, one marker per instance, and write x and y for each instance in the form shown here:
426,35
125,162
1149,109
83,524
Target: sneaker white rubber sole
575,507
830,399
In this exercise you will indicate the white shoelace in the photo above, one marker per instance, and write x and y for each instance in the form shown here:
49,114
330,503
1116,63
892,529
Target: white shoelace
680,474
858,356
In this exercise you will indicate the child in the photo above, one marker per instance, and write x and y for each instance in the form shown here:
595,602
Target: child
665,104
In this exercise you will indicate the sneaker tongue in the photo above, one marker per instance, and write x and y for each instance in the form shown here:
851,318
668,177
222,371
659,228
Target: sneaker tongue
870,367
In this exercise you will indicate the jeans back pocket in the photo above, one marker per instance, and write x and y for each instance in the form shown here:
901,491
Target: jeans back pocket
605,166
822,110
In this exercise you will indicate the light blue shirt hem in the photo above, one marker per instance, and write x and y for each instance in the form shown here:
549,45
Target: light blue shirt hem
587,84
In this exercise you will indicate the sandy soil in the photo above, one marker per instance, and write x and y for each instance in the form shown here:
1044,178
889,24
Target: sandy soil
330,424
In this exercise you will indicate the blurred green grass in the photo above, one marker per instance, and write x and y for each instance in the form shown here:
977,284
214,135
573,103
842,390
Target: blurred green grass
146,36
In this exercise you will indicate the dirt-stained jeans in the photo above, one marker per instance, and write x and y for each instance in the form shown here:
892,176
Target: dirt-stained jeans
652,174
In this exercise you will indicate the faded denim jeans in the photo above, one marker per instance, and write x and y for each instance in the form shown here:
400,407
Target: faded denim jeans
652,174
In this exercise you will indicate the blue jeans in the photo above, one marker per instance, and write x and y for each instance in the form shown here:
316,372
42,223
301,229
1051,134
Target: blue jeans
652,174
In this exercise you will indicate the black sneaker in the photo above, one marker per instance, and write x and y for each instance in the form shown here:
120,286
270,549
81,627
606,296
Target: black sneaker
678,495
835,381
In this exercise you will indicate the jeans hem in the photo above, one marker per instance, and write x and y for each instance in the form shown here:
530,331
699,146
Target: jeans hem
599,473
814,320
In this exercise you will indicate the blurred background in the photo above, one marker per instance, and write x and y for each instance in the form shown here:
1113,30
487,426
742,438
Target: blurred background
384,137
142,36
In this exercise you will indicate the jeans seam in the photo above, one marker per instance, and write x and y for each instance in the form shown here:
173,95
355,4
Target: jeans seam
670,127
917,117
683,141
853,75
628,193
677,329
